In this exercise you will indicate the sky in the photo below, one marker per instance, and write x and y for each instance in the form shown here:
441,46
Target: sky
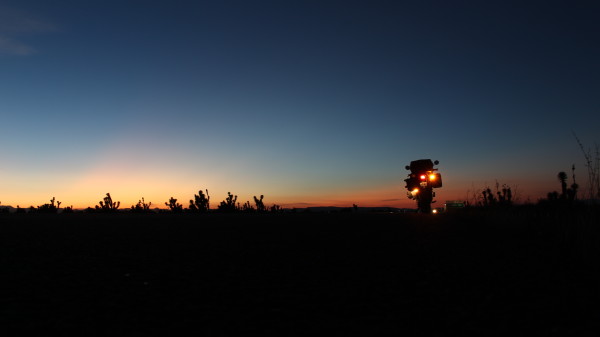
310,103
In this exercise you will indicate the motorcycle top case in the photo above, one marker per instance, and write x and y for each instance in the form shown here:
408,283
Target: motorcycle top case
421,165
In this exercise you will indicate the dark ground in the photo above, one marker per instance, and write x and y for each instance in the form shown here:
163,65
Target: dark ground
289,274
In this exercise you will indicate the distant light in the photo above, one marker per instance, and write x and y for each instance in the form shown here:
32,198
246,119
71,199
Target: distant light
416,190
434,211
432,177
423,177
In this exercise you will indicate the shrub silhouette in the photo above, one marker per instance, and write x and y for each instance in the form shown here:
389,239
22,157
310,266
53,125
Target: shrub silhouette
504,196
260,206
52,207
247,207
572,192
567,195
174,206
592,162
141,206
201,202
229,205
488,197
562,177
553,196
108,205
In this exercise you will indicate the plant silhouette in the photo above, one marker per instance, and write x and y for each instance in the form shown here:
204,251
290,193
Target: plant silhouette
201,202
141,206
567,195
246,207
502,197
174,206
108,205
52,207
260,206
592,162
562,177
572,192
229,204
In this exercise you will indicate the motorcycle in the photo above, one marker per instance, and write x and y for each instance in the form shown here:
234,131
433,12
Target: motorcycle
421,181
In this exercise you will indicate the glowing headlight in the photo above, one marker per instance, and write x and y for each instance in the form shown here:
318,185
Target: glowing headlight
432,177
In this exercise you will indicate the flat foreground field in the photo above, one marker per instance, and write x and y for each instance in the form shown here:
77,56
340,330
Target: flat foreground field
289,274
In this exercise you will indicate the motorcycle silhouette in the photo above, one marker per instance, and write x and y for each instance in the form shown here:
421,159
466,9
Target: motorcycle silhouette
421,181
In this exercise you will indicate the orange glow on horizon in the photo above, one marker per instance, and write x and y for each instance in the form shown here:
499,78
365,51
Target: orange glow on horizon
129,184
395,198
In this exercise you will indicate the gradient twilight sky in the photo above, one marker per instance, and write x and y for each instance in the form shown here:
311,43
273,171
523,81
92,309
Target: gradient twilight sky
307,102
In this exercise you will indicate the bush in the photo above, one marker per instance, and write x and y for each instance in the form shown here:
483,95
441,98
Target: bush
141,206
174,206
52,207
108,205
229,204
201,202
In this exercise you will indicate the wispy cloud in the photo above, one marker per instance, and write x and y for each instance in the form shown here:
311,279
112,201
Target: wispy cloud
10,46
15,26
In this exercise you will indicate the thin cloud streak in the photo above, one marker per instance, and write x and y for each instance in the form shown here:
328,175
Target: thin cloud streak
13,25
13,21
12,47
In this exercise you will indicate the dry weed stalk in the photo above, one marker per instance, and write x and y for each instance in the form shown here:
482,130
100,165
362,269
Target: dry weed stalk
593,165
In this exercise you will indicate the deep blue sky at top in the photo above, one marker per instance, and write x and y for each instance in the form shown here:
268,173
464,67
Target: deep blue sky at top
303,98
